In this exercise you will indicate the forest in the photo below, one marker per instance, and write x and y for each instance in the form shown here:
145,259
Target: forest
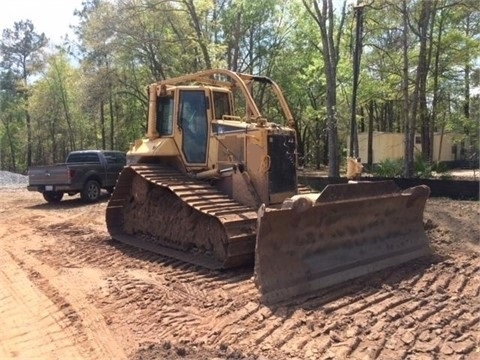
405,66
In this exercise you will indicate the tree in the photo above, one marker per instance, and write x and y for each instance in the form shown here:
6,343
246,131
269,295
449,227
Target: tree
128,44
330,37
419,96
357,55
11,121
97,33
22,53
58,123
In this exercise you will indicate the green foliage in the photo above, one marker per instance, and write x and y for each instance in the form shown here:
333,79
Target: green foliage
422,168
442,171
21,51
389,168
99,100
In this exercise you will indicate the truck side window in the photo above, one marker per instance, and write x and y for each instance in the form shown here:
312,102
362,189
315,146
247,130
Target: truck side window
115,157
194,125
221,104
110,157
92,158
165,115
121,158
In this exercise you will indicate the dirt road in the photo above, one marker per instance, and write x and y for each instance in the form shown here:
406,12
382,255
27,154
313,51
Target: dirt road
67,291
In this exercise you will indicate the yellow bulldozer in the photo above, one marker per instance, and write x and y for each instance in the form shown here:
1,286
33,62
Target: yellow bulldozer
214,183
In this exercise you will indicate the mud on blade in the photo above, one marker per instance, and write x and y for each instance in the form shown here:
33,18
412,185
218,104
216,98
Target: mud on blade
349,231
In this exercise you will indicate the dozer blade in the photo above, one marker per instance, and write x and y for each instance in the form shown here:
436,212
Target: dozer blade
349,231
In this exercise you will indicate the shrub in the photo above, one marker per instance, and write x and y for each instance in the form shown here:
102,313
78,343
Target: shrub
422,168
389,168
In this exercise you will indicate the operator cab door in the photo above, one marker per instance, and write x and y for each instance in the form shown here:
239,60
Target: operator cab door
193,122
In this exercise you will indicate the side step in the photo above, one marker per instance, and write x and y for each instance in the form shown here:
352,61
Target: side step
351,230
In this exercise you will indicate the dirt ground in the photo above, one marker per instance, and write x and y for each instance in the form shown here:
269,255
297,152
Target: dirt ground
67,291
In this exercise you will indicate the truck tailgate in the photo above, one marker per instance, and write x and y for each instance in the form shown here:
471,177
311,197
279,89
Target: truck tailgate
49,175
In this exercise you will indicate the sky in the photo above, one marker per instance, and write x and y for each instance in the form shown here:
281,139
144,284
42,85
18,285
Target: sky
52,17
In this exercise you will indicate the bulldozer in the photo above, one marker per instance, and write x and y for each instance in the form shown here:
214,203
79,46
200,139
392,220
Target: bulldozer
214,183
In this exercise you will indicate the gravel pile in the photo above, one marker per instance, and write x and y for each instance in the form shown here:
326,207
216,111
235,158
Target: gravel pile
12,180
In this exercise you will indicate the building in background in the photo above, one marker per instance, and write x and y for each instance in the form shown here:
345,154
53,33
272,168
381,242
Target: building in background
448,148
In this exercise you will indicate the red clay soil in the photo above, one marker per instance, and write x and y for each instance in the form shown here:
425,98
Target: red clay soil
68,291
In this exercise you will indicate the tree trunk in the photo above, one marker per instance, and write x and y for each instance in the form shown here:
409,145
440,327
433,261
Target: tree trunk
419,102
466,104
112,126
408,119
200,38
356,72
11,142
102,124
425,56
370,136
29,136
436,75
325,20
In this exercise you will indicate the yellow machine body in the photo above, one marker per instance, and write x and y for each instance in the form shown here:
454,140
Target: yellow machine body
214,182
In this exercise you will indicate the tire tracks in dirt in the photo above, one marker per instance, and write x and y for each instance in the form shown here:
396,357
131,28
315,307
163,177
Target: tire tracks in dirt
425,308
31,324
398,312
82,322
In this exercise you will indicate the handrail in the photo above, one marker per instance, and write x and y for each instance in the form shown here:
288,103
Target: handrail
239,80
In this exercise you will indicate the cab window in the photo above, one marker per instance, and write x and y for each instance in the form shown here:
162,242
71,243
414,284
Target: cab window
194,125
165,115
221,104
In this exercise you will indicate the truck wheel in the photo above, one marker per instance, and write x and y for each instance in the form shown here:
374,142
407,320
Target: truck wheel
53,196
91,191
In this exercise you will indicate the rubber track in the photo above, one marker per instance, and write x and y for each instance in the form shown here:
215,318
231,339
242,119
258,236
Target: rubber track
239,221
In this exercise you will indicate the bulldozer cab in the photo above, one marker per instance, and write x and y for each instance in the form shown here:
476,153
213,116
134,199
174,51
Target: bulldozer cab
185,114
193,125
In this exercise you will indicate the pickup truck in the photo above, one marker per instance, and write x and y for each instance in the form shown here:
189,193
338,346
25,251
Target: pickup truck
85,172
